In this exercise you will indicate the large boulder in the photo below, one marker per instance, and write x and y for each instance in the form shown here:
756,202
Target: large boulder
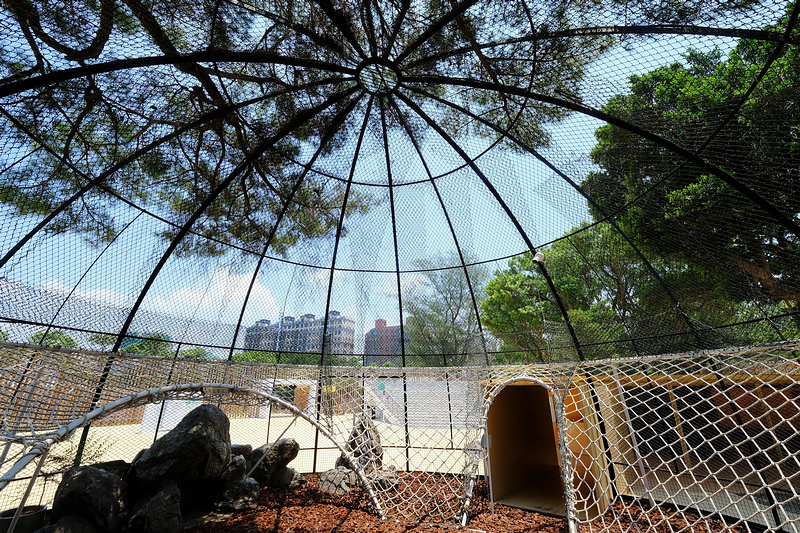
199,447
94,494
160,513
239,495
272,470
364,444
339,480
70,524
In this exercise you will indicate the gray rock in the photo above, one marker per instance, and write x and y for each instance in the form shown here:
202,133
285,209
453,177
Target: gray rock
236,469
94,494
272,471
298,480
118,467
160,513
199,447
239,495
241,449
70,524
339,480
281,477
384,479
364,444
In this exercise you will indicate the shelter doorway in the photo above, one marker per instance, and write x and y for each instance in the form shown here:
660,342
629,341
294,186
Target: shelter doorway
523,455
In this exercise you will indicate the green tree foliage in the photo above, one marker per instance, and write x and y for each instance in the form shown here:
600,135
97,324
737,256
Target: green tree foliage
195,353
290,358
93,123
256,356
54,339
611,296
682,215
597,277
156,344
296,52
441,313
3,335
103,340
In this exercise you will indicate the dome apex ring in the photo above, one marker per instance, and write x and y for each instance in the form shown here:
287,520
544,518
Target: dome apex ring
378,76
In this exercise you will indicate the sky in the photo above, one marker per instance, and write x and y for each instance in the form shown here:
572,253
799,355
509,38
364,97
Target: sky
211,291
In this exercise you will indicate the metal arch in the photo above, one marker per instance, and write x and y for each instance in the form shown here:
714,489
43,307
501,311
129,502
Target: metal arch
86,273
726,177
392,207
184,230
338,19
592,31
340,226
398,22
159,393
579,190
210,56
452,233
434,28
299,28
98,181
325,345
403,342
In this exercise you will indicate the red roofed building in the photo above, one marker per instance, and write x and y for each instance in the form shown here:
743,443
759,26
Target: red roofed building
382,344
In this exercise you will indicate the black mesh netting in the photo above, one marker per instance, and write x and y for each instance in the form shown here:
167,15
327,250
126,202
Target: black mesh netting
218,177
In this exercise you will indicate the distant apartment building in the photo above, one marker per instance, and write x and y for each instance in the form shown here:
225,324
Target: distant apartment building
382,344
303,335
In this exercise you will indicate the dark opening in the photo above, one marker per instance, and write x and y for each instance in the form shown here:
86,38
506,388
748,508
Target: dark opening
525,466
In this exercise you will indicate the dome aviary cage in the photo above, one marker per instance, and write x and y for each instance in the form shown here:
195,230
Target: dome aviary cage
451,217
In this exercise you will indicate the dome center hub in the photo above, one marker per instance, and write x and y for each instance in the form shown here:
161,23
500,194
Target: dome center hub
378,76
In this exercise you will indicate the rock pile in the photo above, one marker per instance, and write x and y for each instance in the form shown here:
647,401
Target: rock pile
191,468
364,446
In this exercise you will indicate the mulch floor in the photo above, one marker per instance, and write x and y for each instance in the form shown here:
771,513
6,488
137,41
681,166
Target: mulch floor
309,510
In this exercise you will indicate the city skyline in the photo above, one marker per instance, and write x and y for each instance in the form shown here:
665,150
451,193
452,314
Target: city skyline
302,335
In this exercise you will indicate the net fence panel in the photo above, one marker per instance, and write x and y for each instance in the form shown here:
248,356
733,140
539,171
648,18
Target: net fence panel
684,441
424,422
707,436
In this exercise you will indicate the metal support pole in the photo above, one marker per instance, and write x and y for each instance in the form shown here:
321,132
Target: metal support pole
557,412
634,440
35,475
488,466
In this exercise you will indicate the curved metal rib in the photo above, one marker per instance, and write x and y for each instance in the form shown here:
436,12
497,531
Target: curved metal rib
460,151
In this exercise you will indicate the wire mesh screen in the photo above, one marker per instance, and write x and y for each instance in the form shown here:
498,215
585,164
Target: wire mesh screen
237,176
424,424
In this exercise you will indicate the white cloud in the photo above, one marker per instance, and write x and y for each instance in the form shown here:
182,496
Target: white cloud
408,282
106,296
221,297
319,276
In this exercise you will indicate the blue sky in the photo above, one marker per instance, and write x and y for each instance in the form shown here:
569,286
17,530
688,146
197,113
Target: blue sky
212,290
